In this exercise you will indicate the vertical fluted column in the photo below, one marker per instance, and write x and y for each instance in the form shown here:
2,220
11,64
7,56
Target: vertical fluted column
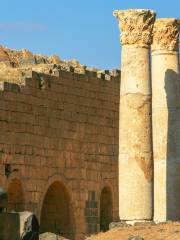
165,119
135,141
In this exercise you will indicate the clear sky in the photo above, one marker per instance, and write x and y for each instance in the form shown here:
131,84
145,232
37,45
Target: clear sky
73,29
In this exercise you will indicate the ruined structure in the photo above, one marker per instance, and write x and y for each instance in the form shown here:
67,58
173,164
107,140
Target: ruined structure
149,125
64,126
16,225
59,142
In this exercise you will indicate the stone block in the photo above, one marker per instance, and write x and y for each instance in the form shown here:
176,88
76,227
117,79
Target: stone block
9,226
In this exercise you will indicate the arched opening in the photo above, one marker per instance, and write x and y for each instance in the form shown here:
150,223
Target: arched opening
105,209
15,196
56,215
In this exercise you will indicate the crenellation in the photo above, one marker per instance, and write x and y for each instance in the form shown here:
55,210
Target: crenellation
19,65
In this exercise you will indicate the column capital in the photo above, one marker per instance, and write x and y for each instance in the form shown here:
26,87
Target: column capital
166,34
136,26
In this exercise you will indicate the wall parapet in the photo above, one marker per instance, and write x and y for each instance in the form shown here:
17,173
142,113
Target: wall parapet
16,66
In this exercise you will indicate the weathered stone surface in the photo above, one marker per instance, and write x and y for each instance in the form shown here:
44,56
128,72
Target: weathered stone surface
55,59
166,119
19,226
135,143
136,26
118,225
29,226
9,226
135,238
4,58
166,34
59,134
51,236
16,65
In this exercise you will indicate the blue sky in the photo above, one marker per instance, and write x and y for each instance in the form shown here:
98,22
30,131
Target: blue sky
73,29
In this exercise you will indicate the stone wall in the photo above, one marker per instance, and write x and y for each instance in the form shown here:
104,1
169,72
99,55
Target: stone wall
60,128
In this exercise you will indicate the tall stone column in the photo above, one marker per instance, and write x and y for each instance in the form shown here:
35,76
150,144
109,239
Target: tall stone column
166,119
135,141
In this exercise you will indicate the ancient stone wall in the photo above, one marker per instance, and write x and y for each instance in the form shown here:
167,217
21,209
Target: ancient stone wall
59,145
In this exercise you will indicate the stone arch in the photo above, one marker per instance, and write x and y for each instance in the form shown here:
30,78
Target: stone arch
106,208
56,211
15,195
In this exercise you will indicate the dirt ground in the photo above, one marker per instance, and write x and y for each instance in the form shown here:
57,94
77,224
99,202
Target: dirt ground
163,231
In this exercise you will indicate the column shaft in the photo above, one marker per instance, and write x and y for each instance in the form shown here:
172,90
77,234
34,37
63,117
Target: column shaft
166,119
135,141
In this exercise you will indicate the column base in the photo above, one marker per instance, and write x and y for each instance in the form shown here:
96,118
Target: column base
137,222
160,221
127,223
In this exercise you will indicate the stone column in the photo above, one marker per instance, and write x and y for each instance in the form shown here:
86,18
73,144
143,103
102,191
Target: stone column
135,141
166,119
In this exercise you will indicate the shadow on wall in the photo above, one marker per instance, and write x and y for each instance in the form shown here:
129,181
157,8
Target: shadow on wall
172,88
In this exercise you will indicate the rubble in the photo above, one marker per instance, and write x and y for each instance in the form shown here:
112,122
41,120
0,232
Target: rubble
51,236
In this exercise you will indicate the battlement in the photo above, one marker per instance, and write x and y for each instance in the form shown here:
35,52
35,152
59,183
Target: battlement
15,66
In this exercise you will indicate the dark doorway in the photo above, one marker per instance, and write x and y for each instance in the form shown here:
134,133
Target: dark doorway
56,213
105,209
